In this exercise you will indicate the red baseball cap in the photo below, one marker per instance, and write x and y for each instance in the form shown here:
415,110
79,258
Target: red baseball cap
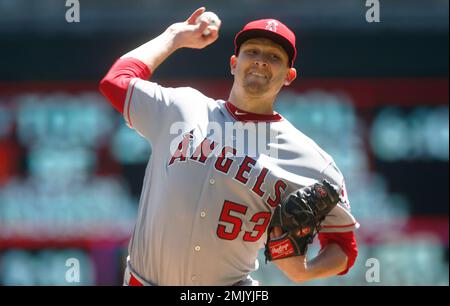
272,29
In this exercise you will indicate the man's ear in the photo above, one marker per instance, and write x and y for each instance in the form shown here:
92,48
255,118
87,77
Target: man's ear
291,75
233,61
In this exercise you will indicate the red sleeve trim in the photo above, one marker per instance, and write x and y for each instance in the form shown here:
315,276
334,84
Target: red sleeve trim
129,103
346,241
114,85
338,226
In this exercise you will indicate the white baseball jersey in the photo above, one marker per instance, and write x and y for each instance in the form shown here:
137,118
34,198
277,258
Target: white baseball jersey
208,195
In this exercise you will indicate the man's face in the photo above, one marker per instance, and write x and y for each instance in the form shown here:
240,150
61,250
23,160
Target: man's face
262,67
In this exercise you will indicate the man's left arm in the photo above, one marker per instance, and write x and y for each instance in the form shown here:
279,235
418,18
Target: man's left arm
337,255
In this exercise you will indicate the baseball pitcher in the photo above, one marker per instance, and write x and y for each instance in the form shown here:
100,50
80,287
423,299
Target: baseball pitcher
228,178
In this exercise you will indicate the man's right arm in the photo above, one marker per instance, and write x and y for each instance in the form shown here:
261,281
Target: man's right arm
143,61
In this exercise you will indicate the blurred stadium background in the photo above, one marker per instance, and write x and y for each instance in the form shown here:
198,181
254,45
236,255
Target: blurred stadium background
374,95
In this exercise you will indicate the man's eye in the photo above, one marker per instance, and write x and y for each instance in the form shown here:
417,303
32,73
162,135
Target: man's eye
275,57
251,51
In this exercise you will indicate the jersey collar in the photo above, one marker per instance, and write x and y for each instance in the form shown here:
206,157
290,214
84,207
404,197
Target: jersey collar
241,115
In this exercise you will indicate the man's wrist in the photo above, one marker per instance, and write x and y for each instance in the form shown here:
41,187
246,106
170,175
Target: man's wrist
171,38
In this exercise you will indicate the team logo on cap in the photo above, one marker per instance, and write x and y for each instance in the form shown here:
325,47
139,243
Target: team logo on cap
272,25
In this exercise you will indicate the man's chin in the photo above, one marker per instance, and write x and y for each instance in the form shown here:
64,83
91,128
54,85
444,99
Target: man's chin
256,87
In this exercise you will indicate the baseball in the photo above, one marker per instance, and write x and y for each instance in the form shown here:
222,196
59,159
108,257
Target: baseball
213,20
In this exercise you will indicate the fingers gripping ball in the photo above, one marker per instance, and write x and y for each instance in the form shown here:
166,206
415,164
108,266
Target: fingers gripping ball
299,217
212,19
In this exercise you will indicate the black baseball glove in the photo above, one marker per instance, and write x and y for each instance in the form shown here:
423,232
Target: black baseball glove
299,217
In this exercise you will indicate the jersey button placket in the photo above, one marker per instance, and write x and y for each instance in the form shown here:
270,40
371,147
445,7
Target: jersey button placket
195,277
198,241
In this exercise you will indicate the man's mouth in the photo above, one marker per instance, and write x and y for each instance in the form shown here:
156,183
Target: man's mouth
257,74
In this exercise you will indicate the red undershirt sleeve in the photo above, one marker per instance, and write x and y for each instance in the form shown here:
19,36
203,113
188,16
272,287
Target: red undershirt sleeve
114,85
346,240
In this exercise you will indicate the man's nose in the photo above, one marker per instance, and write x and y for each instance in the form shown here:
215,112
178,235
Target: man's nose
260,62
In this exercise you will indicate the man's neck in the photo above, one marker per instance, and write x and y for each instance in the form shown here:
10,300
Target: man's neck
253,104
